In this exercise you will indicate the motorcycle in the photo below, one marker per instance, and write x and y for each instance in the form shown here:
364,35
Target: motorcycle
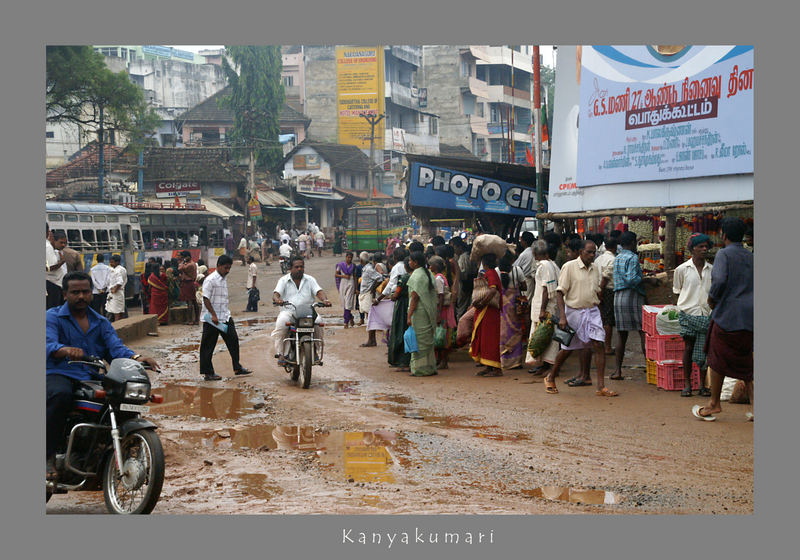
300,349
284,265
107,443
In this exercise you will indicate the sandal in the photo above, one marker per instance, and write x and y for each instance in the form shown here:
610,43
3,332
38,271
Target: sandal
696,413
550,387
606,392
704,392
749,416
367,345
687,392
579,383
617,378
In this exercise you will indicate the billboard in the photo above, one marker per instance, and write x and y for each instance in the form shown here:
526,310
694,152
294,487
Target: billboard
359,90
649,113
437,187
566,196
172,189
314,185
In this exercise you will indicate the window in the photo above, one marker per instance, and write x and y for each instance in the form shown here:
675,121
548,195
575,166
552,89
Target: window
352,181
102,239
495,117
56,218
134,219
480,146
157,220
465,69
99,219
113,219
479,109
137,236
338,179
70,217
288,81
116,238
170,220
88,236
434,126
73,237
85,218
50,134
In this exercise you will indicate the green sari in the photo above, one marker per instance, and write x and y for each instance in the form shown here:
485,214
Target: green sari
423,320
398,357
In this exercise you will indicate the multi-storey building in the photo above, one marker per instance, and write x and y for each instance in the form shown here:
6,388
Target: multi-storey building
477,91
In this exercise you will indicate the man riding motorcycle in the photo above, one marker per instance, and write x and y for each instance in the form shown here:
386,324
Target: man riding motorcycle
297,288
75,330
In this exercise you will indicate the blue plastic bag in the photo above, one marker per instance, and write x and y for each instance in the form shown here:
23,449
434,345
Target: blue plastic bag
410,340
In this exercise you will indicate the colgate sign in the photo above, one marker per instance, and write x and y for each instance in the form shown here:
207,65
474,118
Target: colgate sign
177,188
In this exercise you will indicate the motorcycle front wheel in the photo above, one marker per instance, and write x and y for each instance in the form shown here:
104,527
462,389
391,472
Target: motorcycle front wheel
306,359
138,490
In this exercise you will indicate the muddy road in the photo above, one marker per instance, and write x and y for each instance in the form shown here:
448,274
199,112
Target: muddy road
365,439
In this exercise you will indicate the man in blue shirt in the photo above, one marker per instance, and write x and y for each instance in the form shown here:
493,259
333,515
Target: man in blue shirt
75,330
628,296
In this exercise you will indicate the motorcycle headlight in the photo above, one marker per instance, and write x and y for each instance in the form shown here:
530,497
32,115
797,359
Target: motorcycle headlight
137,391
305,322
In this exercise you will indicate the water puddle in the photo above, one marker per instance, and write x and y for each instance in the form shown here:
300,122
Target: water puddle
501,437
186,348
342,387
354,456
574,495
255,485
206,402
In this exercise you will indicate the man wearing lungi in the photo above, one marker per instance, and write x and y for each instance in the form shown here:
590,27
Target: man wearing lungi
578,296
729,346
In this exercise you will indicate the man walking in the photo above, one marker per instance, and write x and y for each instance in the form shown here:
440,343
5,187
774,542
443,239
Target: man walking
605,263
217,320
525,260
55,266
118,277
692,282
252,290
729,346
99,273
577,296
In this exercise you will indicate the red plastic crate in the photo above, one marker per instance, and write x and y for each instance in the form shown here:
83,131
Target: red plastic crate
660,348
649,320
669,376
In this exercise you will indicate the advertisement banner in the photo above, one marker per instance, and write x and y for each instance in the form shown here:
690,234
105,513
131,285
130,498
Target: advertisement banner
359,83
437,187
651,113
314,185
177,188
306,161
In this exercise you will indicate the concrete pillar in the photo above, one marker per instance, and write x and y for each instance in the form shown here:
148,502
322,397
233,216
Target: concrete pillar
669,242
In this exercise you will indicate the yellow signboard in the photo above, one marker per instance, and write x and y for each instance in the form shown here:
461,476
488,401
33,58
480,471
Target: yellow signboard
359,79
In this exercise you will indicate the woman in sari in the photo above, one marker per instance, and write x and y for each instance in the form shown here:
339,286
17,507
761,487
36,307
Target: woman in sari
422,315
345,283
398,357
485,347
446,314
173,288
512,325
159,298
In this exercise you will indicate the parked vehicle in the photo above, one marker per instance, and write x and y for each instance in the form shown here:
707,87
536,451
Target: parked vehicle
107,444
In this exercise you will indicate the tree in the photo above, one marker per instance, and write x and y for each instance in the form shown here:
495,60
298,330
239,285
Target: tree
256,99
80,87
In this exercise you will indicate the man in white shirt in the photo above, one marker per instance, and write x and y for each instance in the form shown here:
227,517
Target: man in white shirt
194,239
319,237
397,271
692,283
525,260
117,279
217,320
605,262
242,248
55,266
299,289
285,237
285,249
99,273
252,290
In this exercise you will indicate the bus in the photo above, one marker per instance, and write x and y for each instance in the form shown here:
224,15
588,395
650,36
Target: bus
102,228
168,229
370,225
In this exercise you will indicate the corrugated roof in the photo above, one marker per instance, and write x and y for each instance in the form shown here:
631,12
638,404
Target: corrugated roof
450,150
189,164
86,164
338,156
273,199
210,111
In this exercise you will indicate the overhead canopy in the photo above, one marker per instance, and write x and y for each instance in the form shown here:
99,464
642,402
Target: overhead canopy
332,196
219,209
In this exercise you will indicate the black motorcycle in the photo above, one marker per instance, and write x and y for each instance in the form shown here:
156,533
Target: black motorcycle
107,443
300,349
284,265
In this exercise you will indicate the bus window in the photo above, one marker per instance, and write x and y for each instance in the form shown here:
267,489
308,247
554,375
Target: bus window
125,237
148,240
367,219
116,239
170,220
137,236
74,237
102,240
99,219
145,221
182,239
134,219
88,237
56,217
70,217
85,218
182,219
157,220
111,219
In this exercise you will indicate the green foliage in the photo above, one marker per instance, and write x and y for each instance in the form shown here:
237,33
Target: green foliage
256,99
79,84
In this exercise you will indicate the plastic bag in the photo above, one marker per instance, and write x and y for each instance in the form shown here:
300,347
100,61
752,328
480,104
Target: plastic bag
410,340
440,337
541,337
465,325
667,321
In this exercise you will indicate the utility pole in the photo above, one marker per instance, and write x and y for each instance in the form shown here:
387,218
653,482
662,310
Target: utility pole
100,178
252,183
537,112
373,120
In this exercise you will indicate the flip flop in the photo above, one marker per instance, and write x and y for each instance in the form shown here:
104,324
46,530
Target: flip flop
749,416
550,387
571,379
687,391
696,412
579,383
606,392
620,378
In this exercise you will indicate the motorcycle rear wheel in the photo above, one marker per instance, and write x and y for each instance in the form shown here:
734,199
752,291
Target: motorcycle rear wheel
138,492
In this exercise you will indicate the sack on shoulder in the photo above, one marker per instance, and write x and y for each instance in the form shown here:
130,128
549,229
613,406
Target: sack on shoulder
480,292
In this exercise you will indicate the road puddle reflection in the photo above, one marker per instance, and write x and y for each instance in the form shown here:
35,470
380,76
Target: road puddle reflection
206,402
255,485
574,495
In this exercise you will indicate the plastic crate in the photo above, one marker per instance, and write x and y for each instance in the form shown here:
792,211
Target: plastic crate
649,320
652,372
669,376
661,348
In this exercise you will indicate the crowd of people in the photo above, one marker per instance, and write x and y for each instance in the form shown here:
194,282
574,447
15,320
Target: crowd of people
590,286
266,243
